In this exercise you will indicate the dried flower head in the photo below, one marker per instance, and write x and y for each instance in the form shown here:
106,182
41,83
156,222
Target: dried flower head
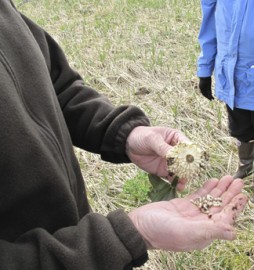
186,160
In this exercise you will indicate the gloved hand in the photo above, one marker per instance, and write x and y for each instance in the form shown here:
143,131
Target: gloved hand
205,86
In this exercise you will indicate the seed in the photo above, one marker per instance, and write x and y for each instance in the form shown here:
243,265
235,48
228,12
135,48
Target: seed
206,202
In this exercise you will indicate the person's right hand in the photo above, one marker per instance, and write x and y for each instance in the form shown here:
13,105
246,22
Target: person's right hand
205,86
179,225
147,147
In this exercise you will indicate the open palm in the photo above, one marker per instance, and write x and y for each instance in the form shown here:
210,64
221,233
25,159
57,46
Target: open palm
179,225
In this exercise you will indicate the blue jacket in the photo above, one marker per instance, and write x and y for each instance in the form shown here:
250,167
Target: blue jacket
227,47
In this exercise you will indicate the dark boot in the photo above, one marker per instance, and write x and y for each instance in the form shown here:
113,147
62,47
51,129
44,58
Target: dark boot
246,158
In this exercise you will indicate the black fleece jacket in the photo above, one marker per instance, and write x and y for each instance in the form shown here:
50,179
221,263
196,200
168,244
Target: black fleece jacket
45,109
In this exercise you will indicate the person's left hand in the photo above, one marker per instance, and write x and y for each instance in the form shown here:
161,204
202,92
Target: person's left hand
147,148
179,225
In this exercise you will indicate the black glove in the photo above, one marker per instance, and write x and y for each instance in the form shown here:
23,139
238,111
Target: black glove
205,86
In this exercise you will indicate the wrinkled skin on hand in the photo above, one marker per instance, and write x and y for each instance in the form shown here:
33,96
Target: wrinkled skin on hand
179,225
147,148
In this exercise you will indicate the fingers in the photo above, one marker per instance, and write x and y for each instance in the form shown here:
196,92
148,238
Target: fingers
229,193
221,231
176,137
223,185
217,188
161,139
207,187
159,145
207,231
234,189
208,95
210,231
226,188
181,184
232,210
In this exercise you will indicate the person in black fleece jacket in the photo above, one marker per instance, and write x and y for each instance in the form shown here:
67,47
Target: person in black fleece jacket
46,221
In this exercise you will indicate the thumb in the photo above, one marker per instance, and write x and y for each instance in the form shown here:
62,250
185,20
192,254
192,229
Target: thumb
167,139
159,146
224,232
219,230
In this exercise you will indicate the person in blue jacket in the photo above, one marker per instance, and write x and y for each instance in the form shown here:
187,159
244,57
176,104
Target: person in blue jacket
226,39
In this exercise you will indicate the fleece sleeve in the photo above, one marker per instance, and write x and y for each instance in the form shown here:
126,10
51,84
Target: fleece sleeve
207,39
93,122
78,247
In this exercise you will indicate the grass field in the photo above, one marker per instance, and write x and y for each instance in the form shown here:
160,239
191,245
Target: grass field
144,52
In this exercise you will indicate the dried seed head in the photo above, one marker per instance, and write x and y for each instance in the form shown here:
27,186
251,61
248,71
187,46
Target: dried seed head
186,160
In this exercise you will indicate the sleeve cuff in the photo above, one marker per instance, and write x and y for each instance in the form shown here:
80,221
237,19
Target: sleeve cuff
114,145
130,237
204,72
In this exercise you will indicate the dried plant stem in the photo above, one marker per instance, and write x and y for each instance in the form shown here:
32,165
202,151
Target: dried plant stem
175,181
174,184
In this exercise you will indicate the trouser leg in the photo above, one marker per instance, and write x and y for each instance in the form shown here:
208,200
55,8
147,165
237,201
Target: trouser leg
241,127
